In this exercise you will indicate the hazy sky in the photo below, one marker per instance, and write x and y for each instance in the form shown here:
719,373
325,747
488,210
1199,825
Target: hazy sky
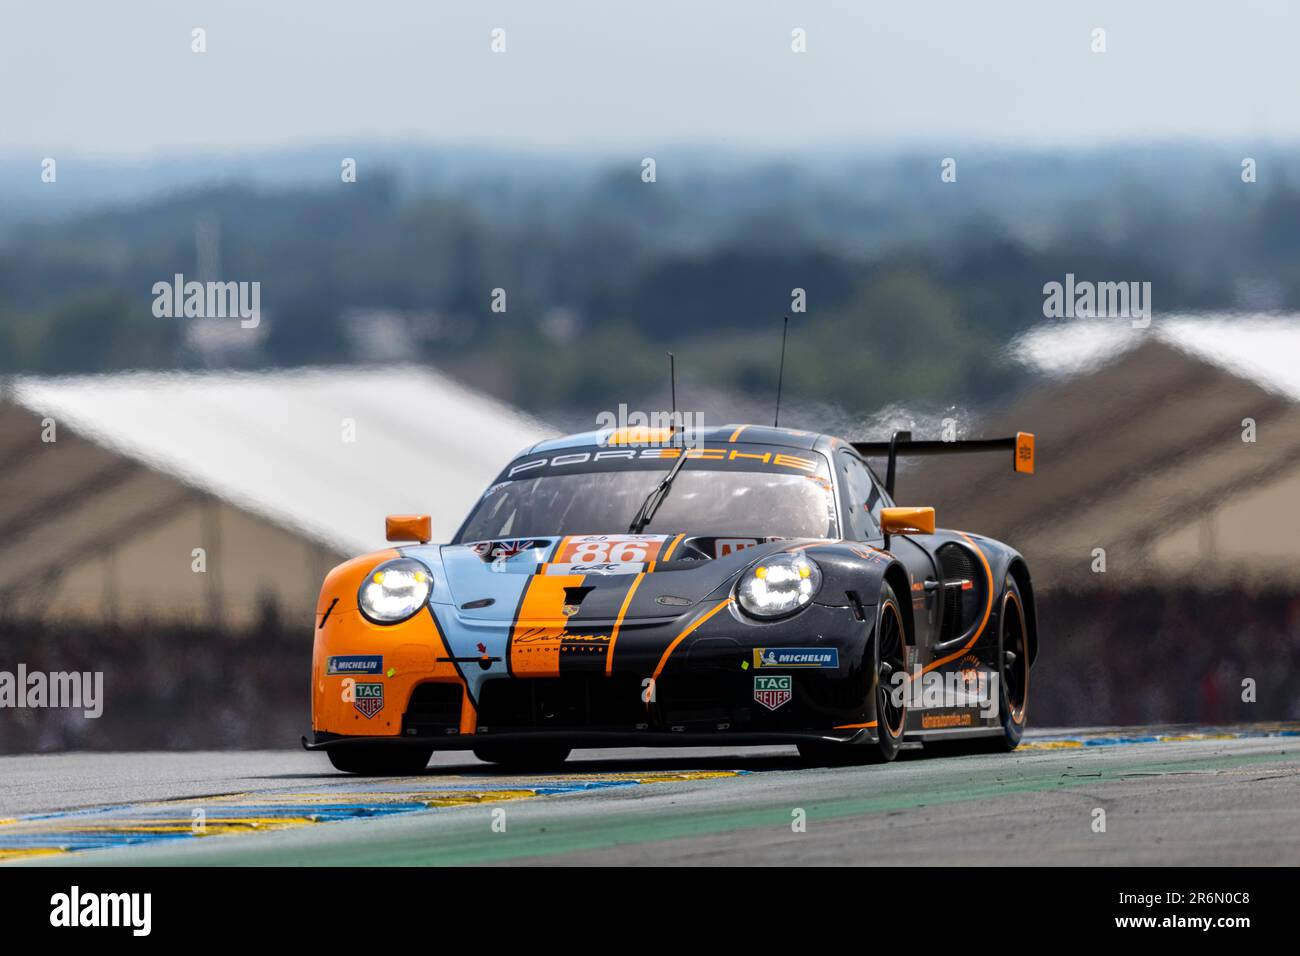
118,78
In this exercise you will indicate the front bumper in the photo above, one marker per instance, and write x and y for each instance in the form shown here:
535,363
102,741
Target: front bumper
706,691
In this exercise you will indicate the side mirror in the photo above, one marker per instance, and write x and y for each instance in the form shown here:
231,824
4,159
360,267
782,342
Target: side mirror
907,520
409,528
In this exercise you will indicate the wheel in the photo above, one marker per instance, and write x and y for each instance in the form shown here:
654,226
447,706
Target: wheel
888,656
523,756
1013,680
1013,659
380,761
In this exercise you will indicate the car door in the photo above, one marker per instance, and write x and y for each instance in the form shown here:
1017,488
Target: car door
862,500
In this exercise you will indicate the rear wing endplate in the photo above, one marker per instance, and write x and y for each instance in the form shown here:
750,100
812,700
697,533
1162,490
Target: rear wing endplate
1021,446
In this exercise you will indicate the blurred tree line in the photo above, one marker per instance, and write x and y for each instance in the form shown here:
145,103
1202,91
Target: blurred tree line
597,287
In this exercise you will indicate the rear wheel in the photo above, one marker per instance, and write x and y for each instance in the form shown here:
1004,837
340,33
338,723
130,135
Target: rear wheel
380,761
523,756
1013,662
1013,679
887,657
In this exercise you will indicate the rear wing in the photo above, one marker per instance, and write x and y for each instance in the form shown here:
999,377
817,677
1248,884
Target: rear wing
1021,446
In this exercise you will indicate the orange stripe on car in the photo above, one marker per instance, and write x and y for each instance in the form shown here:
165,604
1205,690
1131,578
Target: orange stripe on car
443,652
545,565
622,612
988,609
867,726
672,547
540,626
468,713
736,433
640,435
686,633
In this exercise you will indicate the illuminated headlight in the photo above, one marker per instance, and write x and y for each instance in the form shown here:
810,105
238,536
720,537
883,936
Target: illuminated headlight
395,590
779,584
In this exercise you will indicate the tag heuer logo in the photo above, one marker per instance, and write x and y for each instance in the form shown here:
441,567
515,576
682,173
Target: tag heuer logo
772,692
369,699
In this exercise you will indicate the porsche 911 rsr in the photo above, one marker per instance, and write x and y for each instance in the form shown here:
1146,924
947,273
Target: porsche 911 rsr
737,586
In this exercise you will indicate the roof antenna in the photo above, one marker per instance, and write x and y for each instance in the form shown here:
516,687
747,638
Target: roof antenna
776,419
672,385
672,382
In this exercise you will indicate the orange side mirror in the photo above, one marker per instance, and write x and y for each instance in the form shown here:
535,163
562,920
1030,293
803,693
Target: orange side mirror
409,528
907,520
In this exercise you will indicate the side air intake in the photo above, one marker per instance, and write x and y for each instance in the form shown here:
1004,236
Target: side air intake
963,591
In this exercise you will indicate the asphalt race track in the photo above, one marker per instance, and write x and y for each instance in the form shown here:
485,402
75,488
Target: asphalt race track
1170,795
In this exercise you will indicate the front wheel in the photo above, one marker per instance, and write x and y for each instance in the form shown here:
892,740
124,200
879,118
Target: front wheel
887,657
381,760
889,653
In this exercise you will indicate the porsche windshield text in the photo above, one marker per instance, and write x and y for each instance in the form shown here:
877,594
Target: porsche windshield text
754,489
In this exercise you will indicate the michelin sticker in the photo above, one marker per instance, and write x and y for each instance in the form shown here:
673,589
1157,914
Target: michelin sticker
797,657
356,664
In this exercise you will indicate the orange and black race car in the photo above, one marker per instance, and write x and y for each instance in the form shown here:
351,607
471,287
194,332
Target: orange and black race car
725,586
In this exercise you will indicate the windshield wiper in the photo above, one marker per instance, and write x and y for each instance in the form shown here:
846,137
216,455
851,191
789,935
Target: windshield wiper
656,497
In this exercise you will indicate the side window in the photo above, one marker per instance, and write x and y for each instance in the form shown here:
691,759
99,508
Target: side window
878,497
861,498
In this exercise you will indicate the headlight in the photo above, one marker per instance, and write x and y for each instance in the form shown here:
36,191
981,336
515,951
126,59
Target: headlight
779,584
394,591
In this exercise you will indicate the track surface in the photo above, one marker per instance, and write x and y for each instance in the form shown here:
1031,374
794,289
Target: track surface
1171,796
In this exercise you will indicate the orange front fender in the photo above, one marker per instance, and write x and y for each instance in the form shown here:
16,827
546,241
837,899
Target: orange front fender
408,654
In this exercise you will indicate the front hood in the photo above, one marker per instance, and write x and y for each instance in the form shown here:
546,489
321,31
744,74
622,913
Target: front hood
544,606
489,580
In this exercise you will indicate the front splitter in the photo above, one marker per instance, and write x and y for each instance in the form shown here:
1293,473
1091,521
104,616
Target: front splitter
594,738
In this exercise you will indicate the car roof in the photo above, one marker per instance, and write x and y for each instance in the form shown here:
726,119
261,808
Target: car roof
717,434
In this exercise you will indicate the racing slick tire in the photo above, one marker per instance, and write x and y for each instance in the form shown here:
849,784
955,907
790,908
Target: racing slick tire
380,761
1013,658
888,656
522,756
1013,678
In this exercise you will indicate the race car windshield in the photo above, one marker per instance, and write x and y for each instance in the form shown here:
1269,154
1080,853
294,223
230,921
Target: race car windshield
704,501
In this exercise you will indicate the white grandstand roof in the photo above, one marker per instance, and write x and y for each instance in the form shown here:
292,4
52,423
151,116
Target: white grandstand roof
273,442
1261,348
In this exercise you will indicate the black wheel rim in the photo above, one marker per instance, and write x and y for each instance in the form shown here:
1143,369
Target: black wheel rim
891,660
1015,658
